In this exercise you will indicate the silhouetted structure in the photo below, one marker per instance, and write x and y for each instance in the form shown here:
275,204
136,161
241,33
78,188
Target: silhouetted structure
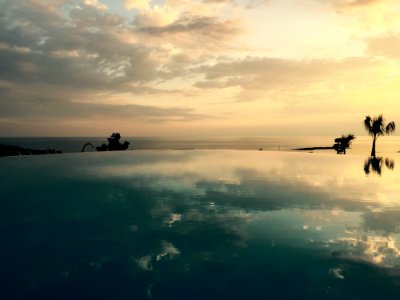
376,127
375,164
8,150
87,144
113,144
342,143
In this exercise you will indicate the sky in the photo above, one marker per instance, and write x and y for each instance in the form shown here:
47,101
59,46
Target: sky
197,68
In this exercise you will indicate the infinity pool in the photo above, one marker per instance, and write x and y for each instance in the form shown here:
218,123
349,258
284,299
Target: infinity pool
199,225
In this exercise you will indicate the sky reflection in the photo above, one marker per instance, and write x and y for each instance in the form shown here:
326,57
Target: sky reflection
199,224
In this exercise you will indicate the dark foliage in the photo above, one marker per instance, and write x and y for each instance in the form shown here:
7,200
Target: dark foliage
113,144
342,143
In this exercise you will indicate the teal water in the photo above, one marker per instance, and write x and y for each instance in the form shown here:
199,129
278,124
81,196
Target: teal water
199,225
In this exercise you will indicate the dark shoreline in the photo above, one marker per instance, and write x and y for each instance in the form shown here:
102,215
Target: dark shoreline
8,150
314,148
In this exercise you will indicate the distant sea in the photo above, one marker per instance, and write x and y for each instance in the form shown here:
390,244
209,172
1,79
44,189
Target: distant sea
388,145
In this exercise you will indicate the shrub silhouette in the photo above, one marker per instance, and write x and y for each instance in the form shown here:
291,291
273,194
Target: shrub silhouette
342,143
113,144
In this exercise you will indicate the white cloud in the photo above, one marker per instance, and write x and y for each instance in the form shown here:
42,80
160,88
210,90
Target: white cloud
96,3
138,4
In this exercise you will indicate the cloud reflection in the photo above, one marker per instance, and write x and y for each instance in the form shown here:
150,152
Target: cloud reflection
375,249
231,223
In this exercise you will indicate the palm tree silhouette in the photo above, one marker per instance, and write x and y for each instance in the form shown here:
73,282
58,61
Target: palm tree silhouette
376,163
376,127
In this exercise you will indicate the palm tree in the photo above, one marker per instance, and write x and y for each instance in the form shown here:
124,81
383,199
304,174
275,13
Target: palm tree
376,127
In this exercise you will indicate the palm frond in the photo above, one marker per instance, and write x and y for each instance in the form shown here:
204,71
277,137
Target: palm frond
390,128
367,124
378,126
389,163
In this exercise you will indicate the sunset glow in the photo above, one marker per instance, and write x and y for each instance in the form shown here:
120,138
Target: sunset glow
204,67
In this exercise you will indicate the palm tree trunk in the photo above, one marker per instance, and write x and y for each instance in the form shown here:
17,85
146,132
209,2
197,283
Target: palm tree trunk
373,147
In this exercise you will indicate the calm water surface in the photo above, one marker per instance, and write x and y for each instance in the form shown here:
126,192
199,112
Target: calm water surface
387,145
199,225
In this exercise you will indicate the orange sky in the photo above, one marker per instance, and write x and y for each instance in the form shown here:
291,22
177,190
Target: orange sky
206,67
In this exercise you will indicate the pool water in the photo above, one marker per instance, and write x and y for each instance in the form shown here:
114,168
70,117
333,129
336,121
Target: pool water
203,224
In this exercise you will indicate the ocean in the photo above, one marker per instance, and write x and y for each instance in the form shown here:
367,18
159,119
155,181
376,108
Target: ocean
388,145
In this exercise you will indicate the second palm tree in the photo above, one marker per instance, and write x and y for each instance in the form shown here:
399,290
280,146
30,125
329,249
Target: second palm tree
376,127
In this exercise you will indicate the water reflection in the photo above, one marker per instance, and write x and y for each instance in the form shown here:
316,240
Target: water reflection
198,225
374,249
375,164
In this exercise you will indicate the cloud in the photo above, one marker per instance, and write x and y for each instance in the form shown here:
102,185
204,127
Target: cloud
30,106
387,46
89,48
138,4
216,1
205,26
82,49
194,33
194,28
258,76
386,221
343,4
54,56
72,51
357,2
246,3
95,3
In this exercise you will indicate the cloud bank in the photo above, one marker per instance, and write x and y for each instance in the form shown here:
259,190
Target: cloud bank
77,59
